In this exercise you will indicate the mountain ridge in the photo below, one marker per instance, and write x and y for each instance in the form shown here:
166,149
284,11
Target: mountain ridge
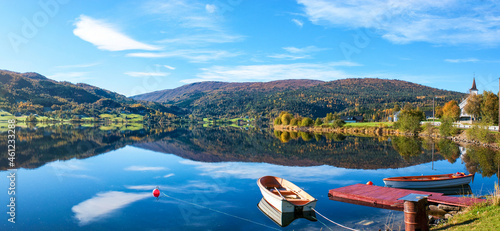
370,97
167,95
360,96
33,93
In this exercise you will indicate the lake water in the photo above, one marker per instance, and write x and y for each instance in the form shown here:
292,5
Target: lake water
86,178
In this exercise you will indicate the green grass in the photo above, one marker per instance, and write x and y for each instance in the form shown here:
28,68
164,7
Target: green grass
4,120
122,117
478,218
228,122
485,216
225,120
5,116
109,116
131,127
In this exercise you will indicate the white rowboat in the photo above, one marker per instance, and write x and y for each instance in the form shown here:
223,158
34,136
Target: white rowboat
285,196
429,181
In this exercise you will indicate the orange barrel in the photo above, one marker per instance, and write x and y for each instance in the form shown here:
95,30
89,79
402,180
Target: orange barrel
410,216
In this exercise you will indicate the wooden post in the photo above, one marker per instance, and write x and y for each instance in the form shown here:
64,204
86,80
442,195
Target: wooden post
416,215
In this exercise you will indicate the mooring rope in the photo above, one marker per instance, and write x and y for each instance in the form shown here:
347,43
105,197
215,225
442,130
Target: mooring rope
325,225
345,227
215,210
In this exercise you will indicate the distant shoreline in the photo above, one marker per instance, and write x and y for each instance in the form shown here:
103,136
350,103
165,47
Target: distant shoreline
376,131
381,131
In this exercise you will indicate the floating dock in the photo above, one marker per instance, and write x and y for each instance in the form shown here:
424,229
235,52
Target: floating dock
388,198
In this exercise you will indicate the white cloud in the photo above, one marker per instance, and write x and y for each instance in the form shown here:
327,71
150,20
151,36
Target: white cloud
83,65
195,56
441,22
65,169
144,168
289,56
106,36
69,165
146,74
344,64
298,22
203,39
147,55
468,60
326,71
103,204
210,8
189,22
184,13
74,77
308,49
169,67
168,175
295,53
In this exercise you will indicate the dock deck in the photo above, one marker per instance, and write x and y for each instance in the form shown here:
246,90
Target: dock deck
387,198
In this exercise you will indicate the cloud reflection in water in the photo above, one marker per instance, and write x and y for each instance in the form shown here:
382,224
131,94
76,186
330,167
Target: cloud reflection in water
103,204
323,173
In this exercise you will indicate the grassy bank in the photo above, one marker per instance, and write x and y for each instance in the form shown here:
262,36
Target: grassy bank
476,218
484,216
364,128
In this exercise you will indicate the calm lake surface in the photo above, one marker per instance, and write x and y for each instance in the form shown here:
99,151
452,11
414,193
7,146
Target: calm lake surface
101,178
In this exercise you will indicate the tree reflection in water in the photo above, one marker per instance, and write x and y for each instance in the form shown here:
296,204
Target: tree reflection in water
218,144
482,160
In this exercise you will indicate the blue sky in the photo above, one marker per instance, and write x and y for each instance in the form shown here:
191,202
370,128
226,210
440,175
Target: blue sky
134,47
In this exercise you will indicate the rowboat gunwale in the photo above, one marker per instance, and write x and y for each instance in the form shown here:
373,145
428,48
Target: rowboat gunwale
427,177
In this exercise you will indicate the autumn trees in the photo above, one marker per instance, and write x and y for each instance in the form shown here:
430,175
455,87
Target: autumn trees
483,106
451,110
489,108
449,113
473,106
285,118
409,119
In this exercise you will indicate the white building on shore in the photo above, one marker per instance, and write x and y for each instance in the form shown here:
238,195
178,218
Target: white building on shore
472,91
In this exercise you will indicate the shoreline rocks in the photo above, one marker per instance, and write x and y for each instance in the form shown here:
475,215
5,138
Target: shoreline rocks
441,213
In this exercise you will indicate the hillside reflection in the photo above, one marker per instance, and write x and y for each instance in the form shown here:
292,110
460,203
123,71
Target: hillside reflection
37,146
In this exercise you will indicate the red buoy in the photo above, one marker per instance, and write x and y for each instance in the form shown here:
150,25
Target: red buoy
156,192
369,183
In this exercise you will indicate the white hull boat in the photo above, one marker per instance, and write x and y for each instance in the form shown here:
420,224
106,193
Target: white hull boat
429,181
285,196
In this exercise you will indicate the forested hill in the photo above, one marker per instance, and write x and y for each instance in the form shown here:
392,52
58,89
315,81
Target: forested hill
367,96
34,93
187,91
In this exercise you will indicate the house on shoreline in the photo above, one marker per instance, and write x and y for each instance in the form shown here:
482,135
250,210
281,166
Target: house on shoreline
472,91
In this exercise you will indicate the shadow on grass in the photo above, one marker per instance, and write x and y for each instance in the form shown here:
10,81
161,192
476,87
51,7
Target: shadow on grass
448,226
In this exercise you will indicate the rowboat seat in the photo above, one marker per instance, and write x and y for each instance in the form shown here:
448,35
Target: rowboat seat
273,189
298,202
291,197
